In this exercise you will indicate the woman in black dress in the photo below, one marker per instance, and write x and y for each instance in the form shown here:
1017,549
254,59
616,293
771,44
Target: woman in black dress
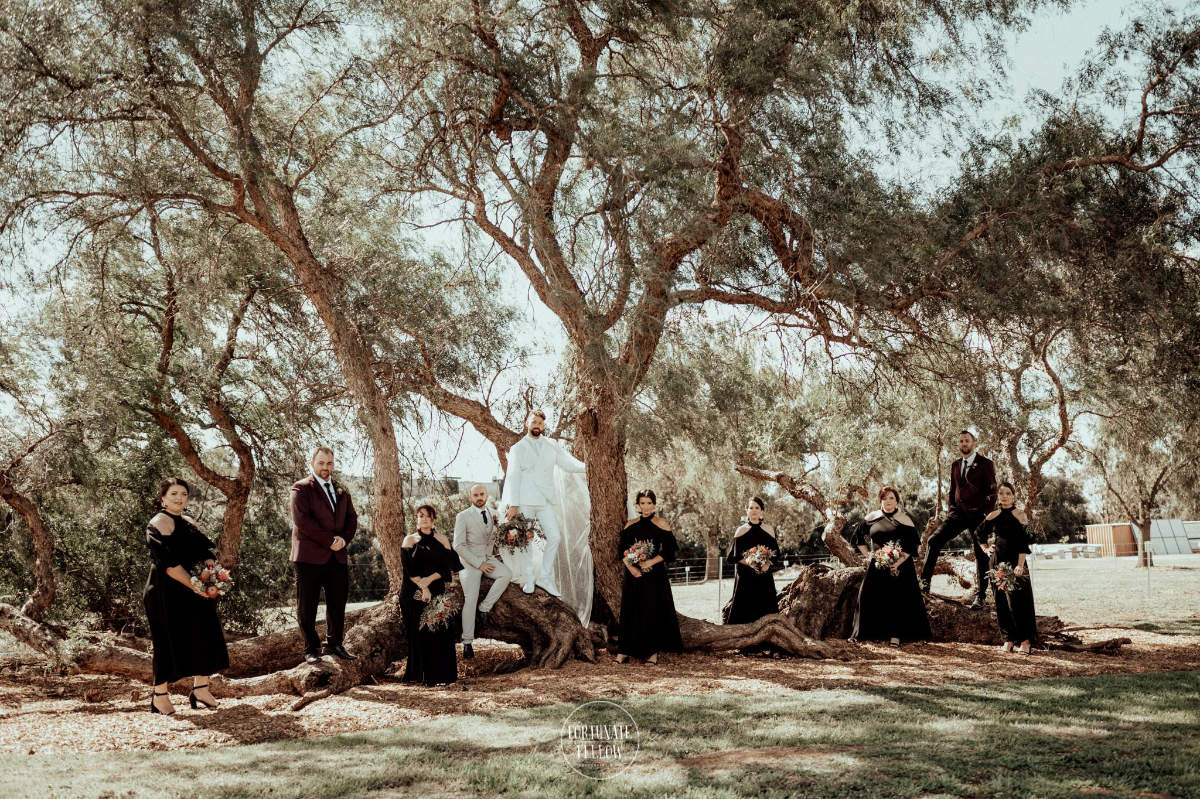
754,594
889,602
648,623
429,565
184,627
1014,609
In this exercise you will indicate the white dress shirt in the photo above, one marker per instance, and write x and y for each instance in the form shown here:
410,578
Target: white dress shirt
326,488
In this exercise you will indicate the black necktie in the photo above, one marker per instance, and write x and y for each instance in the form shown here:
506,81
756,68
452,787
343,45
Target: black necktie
329,491
484,514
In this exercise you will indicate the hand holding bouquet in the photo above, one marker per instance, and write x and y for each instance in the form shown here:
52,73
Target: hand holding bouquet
888,556
640,552
517,533
211,579
442,609
1005,578
759,558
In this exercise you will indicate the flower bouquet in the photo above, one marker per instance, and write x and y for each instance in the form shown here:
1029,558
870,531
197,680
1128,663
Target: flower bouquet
212,579
638,553
517,533
1005,578
888,555
441,610
759,558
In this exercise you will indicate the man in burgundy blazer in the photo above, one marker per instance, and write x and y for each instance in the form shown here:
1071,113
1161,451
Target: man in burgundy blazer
323,524
972,496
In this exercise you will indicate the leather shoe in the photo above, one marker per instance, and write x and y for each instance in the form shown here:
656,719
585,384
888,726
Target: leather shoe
468,652
485,618
977,604
339,651
309,657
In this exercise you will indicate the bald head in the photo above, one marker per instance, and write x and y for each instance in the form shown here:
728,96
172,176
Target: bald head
479,495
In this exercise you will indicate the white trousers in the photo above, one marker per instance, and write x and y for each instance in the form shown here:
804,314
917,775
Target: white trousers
470,578
530,568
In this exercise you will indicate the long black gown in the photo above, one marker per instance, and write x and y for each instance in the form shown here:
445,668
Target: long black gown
1015,614
431,657
754,594
184,627
890,606
648,622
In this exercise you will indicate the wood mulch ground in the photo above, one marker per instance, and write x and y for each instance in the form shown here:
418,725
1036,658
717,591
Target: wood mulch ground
44,712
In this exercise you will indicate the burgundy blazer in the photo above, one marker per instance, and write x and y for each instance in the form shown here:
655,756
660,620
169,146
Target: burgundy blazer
976,493
315,523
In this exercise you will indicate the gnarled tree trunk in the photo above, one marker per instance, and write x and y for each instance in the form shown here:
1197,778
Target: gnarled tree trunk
821,602
712,553
43,549
600,443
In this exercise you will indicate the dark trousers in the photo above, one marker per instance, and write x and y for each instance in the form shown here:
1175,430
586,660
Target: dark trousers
334,577
955,523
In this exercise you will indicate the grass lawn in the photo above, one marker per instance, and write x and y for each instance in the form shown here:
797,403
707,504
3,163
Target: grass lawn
1120,736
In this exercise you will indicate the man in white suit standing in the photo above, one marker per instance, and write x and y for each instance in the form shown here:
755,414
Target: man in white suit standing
473,529
529,489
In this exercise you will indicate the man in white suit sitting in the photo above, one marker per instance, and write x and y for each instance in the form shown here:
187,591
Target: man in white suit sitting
473,529
529,489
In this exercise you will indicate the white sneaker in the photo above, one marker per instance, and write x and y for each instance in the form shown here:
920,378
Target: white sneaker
528,587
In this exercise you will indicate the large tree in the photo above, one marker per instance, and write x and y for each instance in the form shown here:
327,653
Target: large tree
628,160
632,160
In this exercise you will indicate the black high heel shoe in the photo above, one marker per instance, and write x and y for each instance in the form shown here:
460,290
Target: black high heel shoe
197,701
154,707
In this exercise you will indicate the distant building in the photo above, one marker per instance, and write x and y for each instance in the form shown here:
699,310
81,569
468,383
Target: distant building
446,486
1167,537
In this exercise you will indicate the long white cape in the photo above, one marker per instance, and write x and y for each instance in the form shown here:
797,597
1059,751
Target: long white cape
573,565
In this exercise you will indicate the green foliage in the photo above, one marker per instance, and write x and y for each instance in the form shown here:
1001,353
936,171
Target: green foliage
1062,512
98,510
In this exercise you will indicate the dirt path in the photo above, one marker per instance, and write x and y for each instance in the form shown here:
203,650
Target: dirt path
40,712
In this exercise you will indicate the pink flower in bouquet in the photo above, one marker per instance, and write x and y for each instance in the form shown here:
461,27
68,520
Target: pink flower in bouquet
211,579
517,533
1005,578
759,558
639,552
888,555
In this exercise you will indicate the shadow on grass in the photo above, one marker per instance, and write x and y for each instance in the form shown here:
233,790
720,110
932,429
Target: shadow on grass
1119,736
1189,626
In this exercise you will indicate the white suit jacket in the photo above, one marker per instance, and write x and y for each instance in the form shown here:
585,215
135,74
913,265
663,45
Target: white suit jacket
530,476
472,538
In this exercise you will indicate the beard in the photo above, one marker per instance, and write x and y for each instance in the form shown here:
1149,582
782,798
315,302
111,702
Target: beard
535,432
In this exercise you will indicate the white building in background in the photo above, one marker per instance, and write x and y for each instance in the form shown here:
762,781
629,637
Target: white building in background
1167,537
